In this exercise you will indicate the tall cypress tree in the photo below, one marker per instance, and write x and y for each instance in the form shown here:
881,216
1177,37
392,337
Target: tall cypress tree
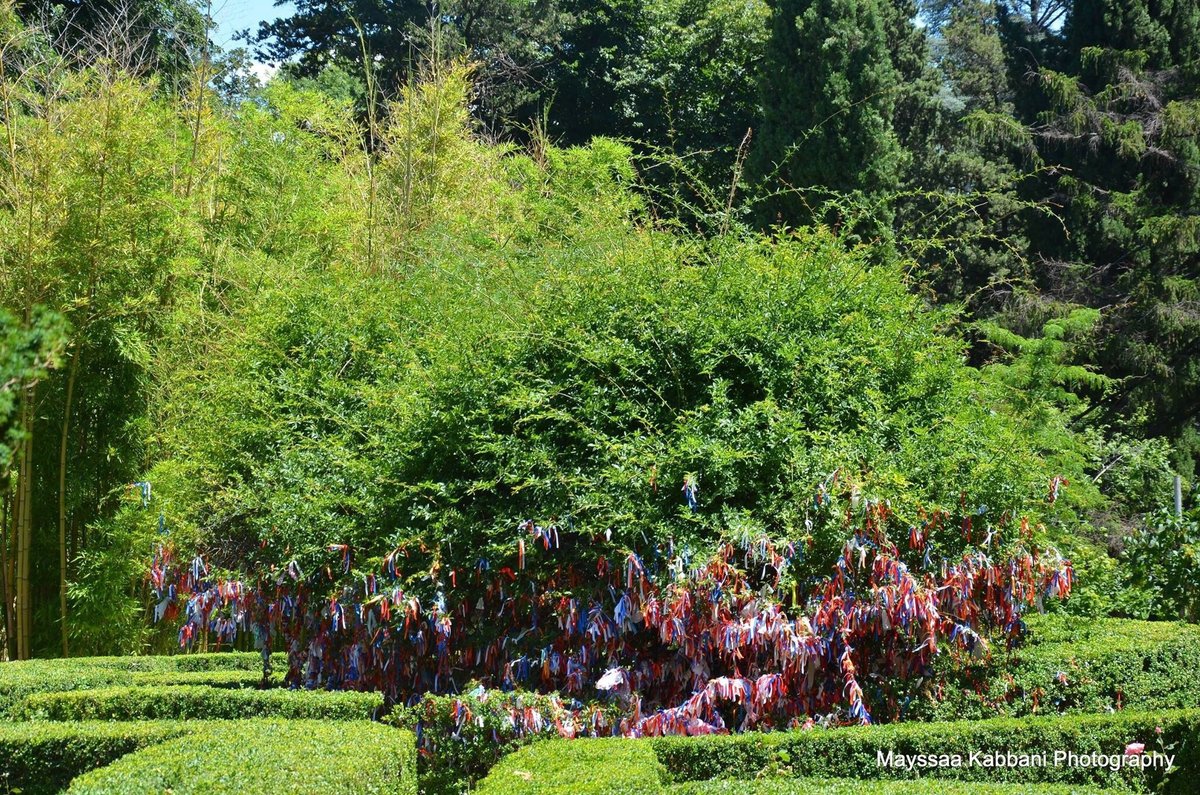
829,88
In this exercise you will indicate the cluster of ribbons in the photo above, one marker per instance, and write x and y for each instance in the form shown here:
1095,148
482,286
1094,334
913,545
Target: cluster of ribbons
681,648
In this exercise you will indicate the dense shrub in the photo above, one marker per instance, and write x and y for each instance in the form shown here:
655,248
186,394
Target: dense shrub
563,767
481,488
192,702
266,756
609,766
1163,558
42,758
21,679
461,737
852,752
211,661
1069,664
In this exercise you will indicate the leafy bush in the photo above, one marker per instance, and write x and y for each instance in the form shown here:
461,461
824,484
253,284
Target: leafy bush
560,767
24,678
1077,665
1164,557
192,702
610,766
462,737
852,752
273,756
212,661
42,758
620,379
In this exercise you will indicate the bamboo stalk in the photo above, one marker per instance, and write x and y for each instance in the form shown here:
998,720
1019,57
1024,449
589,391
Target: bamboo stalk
62,497
9,524
25,527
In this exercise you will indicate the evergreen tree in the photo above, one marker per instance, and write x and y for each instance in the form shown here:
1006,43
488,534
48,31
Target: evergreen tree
829,90
1166,32
980,243
1123,132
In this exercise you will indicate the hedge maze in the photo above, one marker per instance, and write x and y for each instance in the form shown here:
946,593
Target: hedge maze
1120,695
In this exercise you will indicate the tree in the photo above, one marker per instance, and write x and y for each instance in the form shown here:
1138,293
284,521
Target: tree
512,40
1122,127
144,36
829,87
1088,141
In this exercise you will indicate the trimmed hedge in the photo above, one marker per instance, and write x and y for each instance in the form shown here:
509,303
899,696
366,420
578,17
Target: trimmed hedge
196,702
1079,665
42,758
849,786
21,679
272,756
229,679
613,766
609,766
852,752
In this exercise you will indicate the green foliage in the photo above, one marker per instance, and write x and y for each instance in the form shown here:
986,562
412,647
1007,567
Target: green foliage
1046,387
27,353
266,756
42,758
1161,35
1042,371
595,767
93,227
237,680
587,384
1164,558
463,736
196,702
852,752
164,37
1137,475
844,760
1073,665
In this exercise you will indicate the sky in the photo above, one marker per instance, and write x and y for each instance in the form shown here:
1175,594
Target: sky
231,16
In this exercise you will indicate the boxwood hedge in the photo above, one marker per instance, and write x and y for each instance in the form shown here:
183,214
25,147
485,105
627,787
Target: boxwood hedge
1078,665
21,679
609,766
766,764
42,758
853,752
274,756
231,679
196,702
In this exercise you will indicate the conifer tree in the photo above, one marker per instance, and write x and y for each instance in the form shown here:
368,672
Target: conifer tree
828,89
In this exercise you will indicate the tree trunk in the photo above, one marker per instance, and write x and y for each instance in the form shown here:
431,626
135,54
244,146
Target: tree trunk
62,497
